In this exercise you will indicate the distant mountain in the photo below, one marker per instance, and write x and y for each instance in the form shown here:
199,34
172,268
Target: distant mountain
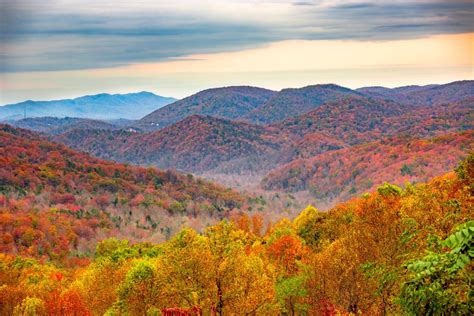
228,103
383,91
293,102
101,106
352,171
54,125
424,95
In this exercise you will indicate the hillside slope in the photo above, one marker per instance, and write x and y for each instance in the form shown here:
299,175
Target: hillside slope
228,102
353,119
195,144
76,199
293,102
352,171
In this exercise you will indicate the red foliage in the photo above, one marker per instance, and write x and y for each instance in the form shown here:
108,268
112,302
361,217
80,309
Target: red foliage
358,169
182,311
56,201
287,250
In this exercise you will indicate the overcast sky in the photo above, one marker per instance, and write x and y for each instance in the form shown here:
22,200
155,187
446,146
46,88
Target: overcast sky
53,49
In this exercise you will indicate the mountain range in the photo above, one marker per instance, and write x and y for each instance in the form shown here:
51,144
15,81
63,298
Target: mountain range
102,106
292,140
229,103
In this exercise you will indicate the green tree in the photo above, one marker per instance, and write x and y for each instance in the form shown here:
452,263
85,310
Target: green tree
441,282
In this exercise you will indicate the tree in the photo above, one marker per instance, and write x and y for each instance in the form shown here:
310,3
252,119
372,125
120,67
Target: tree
309,226
98,284
30,306
441,282
184,272
138,292
242,281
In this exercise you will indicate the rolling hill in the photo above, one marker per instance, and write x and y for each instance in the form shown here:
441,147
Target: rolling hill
75,199
228,102
195,144
293,102
352,119
346,172
223,148
231,148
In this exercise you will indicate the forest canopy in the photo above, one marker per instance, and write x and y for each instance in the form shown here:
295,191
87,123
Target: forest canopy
393,251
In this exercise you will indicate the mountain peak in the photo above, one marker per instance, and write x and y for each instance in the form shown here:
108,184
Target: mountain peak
232,102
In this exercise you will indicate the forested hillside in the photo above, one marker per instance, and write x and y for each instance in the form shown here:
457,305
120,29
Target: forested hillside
228,103
392,251
295,176
85,236
57,202
195,144
354,170
298,132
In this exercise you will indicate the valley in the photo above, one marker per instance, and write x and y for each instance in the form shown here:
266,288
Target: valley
242,199
220,134
236,158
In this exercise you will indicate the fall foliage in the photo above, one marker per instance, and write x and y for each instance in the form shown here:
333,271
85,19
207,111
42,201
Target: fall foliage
242,135
56,202
85,236
378,254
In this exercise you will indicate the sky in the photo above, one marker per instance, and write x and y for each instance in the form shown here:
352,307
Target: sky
53,49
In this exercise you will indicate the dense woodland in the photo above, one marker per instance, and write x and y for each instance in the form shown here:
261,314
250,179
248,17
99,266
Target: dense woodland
392,251
393,168
57,201
361,168
249,137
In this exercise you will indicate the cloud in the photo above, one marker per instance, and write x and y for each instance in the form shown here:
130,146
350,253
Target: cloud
361,5
295,63
304,3
71,34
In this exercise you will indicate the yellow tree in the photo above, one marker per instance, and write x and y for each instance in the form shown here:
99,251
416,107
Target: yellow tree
183,272
242,282
337,279
138,293
98,283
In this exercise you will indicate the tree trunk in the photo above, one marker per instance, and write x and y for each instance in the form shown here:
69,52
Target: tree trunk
220,303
